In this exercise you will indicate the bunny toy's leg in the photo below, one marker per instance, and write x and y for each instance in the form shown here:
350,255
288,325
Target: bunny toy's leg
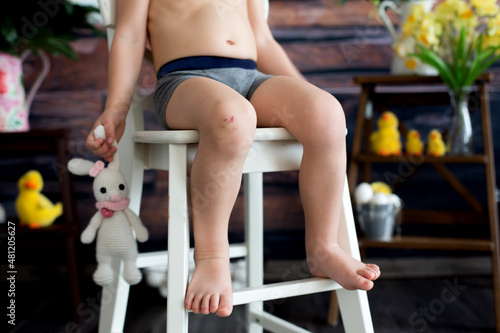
131,273
103,275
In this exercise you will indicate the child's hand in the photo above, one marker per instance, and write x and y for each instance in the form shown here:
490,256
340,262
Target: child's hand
114,125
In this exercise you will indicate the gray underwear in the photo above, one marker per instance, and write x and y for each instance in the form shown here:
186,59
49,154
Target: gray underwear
244,81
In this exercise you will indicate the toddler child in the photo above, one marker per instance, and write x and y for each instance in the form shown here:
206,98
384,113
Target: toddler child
221,72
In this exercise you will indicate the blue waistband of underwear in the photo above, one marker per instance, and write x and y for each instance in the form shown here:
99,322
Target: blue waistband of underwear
204,62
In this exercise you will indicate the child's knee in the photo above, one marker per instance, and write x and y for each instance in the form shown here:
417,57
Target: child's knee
232,127
327,124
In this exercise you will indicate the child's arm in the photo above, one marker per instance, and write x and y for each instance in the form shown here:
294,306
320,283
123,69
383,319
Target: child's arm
125,59
271,58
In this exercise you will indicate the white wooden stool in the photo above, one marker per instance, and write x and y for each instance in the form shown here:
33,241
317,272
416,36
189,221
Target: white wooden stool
273,150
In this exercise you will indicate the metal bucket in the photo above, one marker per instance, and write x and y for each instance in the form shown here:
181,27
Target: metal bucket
377,221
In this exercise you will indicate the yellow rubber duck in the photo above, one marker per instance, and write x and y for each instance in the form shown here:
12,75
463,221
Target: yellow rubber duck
387,140
414,146
435,144
33,208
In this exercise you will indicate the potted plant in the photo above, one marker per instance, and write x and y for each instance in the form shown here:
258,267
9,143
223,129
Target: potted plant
34,27
460,39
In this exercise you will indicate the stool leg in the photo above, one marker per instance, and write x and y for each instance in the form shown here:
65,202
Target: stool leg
254,238
333,310
178,240
73,277
114,301
355,311
354,306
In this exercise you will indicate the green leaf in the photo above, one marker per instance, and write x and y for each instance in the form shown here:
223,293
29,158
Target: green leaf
9,31
468,61
460,56
60,47
431,58
481,67
478,65
69,8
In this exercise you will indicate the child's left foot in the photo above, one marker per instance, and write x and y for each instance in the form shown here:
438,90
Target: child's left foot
339,266
210,289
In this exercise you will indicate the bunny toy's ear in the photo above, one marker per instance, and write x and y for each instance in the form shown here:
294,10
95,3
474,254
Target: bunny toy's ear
115,163
80,166
99,133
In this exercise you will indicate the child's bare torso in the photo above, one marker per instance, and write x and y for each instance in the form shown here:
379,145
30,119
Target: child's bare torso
200,27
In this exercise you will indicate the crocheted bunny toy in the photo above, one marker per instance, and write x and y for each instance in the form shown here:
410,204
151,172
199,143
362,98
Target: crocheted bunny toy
114,221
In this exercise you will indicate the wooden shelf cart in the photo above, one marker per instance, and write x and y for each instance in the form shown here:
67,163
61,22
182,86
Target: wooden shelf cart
383,92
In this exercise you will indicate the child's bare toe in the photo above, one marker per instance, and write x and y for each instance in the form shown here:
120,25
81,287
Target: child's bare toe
369,273
366,285
188,303
214,303
197,303
358,281
375,269
205,305
366,273
225,306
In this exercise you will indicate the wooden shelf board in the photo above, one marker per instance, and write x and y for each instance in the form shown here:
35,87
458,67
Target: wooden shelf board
417,160
410,79
442,217
429,243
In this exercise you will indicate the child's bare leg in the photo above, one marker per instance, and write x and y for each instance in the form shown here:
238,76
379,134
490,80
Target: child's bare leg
226,122
317,120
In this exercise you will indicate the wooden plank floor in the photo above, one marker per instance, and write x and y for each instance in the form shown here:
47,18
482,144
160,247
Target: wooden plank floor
436,305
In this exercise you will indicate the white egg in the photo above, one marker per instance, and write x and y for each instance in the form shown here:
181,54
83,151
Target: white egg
363,193
394,200
380,199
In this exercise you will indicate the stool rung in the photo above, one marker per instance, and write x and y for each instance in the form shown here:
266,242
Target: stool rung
149,259
274,324
159,258
283,290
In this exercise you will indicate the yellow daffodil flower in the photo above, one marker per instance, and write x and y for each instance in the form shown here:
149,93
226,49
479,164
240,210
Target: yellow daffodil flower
411,63
485,7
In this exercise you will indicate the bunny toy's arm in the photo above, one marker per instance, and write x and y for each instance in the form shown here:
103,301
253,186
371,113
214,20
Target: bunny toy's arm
135,222
89,233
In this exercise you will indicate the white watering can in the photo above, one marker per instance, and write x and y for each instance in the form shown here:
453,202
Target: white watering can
14,103
403,9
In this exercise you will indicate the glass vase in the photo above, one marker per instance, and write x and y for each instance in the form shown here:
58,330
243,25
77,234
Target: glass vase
460,140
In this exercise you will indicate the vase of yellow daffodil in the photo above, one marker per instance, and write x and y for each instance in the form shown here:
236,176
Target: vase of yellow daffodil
460,39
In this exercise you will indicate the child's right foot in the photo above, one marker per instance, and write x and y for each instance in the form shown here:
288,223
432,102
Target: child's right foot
337,265
210,289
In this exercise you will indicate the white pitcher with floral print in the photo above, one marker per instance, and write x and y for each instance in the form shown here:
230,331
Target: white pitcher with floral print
403,9
14,103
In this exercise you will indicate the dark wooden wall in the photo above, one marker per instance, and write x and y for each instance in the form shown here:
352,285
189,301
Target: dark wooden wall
328,43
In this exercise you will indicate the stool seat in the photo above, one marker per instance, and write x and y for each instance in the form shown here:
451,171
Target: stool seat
193,136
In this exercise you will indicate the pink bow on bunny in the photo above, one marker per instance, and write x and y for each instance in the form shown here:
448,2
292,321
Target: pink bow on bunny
96,169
